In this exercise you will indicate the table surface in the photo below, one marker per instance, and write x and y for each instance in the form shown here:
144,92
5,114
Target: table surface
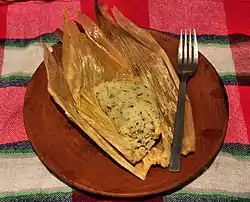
224,38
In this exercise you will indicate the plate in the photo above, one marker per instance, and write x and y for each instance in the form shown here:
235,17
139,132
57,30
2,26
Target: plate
71,156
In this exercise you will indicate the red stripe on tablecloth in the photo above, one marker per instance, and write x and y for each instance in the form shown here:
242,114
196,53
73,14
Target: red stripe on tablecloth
31,19
3,16
238,16
241,56
238,21
245,102
135,10
79,197
237,129
205,16
11,116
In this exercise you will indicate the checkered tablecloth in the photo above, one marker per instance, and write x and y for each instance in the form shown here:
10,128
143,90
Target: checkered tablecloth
223,28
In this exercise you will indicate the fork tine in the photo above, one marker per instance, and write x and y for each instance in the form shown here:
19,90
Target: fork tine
180,51
190,48
185,47
195,61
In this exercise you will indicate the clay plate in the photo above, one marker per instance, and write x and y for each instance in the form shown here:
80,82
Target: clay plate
72,157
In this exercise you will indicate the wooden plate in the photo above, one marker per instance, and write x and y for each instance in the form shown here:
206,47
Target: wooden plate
72,157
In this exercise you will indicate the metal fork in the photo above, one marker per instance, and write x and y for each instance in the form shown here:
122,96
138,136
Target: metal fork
187,65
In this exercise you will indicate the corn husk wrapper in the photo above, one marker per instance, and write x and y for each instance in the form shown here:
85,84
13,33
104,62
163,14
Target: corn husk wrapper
113,51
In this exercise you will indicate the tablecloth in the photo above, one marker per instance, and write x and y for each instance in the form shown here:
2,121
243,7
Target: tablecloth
223,28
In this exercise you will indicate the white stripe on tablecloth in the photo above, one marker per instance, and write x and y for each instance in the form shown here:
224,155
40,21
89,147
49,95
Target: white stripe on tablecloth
18,174
220,56
226,174
26,60
22,60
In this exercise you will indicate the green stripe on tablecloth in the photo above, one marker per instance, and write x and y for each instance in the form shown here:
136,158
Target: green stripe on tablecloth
22,80
228,79
235,79
212,39
14,80
24,148
21,148
39,196
208,197
203,39
236,149
21,43
209,39
218,39
52,38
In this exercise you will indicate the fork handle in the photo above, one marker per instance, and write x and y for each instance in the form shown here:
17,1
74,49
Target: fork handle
178,127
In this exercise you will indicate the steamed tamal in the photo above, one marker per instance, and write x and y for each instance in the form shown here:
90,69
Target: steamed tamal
133,109
118,89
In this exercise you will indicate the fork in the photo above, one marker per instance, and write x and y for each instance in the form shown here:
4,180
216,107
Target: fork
187,66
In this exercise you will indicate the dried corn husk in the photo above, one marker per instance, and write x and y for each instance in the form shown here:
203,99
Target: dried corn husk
114,52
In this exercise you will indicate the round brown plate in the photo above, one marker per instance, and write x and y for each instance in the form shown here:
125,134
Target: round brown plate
73,158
